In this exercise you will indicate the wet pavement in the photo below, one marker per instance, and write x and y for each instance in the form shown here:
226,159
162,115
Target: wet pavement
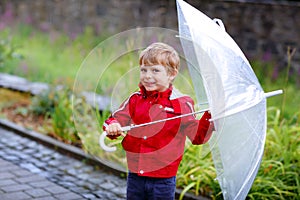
30,170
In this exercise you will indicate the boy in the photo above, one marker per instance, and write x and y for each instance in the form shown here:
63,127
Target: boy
154,152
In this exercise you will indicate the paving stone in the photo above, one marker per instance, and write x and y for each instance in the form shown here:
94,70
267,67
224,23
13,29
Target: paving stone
23,156
72,171
80,190
103,195
11,158
84,176
98,181
15,196
8,168
68,196
5,163
56,189
40,164
31,167
46,158
46,174
119,191
53,163
29,151
107,185
66,184
42,184
37,192
21,172
6,175
89,196
7,182
32,178
45,198
15,187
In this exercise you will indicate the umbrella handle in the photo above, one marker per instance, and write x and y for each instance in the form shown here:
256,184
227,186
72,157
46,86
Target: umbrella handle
103,145
103,136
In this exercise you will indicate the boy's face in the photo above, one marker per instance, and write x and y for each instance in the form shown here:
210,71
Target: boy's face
155,78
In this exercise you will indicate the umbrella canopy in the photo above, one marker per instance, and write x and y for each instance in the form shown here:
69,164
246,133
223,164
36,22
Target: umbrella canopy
236,99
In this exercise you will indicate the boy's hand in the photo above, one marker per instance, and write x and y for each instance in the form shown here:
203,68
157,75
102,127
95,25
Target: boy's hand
114,129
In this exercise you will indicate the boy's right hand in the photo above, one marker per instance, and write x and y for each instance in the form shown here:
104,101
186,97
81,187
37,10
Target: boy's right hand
114,129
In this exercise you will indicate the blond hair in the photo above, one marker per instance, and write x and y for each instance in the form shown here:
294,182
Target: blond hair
160,54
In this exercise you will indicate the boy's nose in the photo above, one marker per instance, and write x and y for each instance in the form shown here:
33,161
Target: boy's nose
148,75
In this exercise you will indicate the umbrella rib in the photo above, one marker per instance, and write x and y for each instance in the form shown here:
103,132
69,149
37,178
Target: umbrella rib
266,95
127,128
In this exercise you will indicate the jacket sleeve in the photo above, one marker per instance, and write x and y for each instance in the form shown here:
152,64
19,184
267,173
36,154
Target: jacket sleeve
121,116
204,130
198,131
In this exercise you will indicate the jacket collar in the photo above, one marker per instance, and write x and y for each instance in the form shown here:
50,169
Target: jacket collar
155,94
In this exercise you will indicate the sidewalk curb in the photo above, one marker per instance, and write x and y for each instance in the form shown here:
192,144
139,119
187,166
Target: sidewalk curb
77,153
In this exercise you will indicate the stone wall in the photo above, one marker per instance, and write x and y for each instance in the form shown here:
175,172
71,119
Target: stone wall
262,30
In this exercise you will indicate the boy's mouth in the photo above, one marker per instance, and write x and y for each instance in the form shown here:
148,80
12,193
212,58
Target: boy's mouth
149,84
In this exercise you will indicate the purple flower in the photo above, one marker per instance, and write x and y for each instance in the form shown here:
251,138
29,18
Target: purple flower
267,56
24,68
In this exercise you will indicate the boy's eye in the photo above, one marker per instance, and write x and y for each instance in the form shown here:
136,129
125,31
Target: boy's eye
155,70
143,70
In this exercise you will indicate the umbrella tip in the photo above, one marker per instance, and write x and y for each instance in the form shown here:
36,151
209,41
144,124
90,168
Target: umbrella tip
273,93
220,23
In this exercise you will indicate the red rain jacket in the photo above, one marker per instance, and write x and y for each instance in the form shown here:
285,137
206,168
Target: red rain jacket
156,150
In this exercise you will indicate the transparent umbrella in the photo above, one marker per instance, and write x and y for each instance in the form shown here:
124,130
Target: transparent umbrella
236,99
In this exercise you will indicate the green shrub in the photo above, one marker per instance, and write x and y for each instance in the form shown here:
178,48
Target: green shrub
7,52
43,103
57,104
278,176
88,122
62,118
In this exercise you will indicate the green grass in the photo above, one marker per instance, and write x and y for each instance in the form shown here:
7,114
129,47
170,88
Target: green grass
288,102
51,57
278,176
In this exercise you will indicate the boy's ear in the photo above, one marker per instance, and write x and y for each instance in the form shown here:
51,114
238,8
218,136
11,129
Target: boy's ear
173,74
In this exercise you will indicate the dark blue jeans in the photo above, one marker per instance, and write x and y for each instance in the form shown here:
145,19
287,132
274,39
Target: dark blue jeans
147,188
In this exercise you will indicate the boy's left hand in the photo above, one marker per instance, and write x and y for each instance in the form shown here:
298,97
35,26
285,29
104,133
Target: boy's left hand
114,129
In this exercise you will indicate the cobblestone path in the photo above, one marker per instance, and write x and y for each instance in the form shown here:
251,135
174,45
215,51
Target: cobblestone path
29,170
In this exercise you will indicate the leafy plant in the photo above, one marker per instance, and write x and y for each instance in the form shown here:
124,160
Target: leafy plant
62,118
196,173
278,177
56,103
43,103
7,51
89,121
